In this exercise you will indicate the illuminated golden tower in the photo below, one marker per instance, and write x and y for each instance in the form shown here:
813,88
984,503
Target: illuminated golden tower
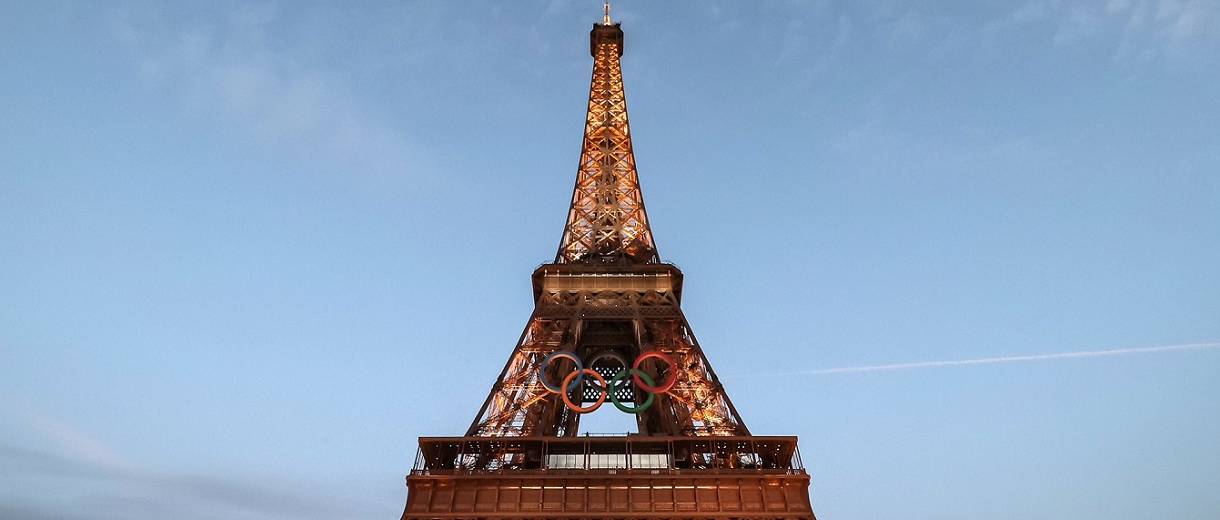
607,326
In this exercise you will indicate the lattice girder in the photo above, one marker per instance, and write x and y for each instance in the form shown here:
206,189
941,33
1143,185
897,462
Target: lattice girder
607,222
576,310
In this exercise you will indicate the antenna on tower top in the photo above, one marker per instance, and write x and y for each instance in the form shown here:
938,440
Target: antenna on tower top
606,16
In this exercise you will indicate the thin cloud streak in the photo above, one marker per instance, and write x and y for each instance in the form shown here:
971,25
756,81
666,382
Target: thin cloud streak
998,360
104,482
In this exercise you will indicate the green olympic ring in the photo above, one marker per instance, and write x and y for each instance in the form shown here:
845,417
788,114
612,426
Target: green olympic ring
618,378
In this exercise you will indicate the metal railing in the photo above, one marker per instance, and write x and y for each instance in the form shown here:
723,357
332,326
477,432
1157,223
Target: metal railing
642,454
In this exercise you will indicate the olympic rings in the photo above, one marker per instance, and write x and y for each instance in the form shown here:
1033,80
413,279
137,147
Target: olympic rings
575,379
546,362
601,398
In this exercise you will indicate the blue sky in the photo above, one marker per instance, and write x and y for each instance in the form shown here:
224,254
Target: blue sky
251,251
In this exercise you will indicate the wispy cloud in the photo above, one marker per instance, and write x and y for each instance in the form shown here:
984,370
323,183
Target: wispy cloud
79,445
227,66
1134,31
91,477
996,360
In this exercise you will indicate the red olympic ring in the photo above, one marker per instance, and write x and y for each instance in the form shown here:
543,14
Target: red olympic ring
669,380
600,398
575,379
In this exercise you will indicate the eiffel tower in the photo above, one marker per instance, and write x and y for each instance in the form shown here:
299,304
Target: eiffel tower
607,326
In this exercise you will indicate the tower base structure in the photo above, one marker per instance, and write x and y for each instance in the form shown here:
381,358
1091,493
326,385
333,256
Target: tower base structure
608,477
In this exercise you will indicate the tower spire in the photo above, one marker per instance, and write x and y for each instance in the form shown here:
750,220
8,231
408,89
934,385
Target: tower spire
607,223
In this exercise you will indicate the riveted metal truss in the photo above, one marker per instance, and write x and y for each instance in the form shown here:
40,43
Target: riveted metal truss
607,277
617,309
607,222
518,404
697,404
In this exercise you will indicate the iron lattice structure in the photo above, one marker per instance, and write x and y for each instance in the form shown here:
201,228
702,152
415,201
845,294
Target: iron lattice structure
607,299
607,222
607,293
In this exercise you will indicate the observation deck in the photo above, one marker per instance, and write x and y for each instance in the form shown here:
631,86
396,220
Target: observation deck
592,278
621,476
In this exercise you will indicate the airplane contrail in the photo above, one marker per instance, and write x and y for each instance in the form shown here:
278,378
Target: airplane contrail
1000,359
